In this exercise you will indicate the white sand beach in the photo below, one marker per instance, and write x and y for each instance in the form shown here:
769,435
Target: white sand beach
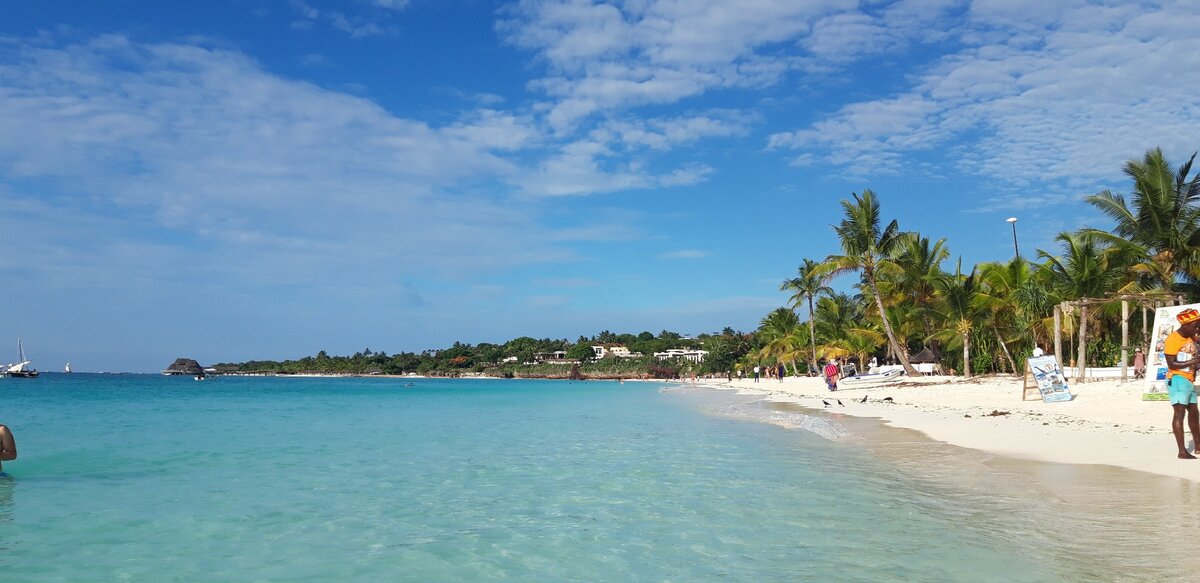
1107,423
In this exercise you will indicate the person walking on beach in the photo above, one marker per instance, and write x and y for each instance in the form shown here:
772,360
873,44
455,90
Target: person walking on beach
1139,364
779,372
831,374
756,369
8,446
1180,351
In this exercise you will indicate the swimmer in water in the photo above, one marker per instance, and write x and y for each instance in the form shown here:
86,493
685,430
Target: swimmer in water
8,446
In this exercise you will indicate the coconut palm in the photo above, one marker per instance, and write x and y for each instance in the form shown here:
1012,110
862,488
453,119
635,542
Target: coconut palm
1088,268
778,335
961,311
1162,218
859,342
1017,302
909,280
809,282
836,313
865,247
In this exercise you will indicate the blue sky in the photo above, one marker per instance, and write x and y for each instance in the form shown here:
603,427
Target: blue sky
231,180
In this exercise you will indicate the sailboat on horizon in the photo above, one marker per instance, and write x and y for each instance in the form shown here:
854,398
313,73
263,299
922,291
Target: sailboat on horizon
67,368
22,369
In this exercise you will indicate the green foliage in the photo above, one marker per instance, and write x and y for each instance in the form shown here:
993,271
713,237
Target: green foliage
903,298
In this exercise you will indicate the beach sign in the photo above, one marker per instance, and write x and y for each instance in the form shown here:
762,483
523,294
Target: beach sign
1156,361
1044,374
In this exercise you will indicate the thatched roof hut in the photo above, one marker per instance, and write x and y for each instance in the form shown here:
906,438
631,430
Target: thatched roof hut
925,356
185,366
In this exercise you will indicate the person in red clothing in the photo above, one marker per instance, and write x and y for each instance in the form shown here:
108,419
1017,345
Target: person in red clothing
832,374
1180,351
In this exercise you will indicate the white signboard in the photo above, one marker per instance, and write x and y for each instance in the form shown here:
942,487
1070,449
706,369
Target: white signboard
1049,378
1156,362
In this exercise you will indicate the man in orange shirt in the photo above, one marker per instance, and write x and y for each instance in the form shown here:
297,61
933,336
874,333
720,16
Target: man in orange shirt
1180,352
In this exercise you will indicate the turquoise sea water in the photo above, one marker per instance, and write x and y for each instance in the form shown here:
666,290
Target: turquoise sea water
148,478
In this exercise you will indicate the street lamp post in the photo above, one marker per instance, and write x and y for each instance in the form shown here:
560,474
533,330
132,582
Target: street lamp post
1017,250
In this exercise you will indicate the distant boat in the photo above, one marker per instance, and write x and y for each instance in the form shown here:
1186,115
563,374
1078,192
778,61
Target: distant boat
67,369
22,370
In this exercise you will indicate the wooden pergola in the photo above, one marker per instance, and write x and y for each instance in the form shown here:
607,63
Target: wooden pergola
1150,299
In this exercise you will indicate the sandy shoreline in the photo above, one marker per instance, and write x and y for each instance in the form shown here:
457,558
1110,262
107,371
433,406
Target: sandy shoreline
1107,423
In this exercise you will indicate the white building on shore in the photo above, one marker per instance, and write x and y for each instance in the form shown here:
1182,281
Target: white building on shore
684,353
616,350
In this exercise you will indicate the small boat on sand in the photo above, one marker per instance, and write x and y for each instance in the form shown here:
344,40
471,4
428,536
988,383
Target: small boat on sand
863,381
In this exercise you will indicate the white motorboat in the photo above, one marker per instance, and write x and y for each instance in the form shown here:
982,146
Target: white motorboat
870,380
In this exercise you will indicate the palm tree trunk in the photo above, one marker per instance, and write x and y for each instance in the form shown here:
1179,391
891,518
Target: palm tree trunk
887,326
1004,347
966,337
812,335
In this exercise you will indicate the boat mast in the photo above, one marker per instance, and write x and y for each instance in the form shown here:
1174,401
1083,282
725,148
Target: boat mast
20,349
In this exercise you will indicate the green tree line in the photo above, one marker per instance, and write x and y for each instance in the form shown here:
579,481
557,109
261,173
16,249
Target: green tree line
902,298
988,318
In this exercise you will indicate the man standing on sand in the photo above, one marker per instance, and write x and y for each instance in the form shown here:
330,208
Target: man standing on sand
1180,351
831,374
756,373
8,446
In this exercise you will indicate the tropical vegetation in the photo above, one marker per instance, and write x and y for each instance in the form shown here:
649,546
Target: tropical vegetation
886,293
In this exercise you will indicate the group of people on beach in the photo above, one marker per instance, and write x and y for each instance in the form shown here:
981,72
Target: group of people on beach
768,371
1182,358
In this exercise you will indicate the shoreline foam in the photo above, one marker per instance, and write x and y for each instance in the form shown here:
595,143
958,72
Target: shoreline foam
1106,424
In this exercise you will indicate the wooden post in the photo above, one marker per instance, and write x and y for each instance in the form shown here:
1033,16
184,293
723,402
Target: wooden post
1124,340
1058,333
1145,334
1083,313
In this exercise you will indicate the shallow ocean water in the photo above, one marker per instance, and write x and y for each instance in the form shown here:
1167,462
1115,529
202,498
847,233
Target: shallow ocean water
149,478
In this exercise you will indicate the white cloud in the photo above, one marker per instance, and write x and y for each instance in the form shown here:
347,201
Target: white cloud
391,4
1067,100
651,52
684,254
356,25
270,177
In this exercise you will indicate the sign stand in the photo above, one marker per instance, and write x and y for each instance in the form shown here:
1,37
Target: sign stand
1044,374
1030,384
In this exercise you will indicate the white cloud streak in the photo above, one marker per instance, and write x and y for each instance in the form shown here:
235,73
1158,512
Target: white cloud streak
1061,92
612,56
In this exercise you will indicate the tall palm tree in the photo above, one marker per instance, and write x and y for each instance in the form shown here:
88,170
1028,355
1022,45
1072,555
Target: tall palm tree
1162,218
961,311
810,281
865,247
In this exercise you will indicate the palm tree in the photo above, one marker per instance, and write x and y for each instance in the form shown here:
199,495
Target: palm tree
1162,219
778,334
1087,269
961,310
1016,300
865,247
810,281
915,266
